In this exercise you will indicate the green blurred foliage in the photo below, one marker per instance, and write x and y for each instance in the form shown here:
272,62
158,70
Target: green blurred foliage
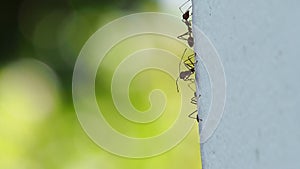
140,87
54,31
40,41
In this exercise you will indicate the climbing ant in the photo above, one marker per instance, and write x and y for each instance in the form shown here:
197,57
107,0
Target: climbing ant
185,75
194,101
186,14
189,39
190,65
185,17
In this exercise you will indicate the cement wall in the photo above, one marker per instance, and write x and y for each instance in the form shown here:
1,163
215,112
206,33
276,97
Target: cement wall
258,44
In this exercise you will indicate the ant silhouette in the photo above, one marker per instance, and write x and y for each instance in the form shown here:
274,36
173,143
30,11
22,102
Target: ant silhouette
190,38
194,101
186,76
185,17
190,65
186,14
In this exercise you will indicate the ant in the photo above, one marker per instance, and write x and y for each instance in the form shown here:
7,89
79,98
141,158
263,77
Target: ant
185,75
190,65
185,17
190,39
186,14
194,101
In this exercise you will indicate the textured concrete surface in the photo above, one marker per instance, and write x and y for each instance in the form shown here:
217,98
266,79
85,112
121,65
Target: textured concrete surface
258,43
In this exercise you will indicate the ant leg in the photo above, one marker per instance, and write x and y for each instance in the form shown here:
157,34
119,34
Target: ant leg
189,7
182,36
190,115
194,100
189,63
192,82
192,56
189,66
183,5
197,117
188,24
179,71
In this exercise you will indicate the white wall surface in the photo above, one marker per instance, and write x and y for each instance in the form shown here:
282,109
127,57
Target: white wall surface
259,44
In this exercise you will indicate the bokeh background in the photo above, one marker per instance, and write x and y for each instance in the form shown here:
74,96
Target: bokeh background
40,41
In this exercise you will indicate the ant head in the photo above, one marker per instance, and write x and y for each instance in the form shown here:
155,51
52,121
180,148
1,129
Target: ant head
198,119
184,74
190,41
192,70
186,15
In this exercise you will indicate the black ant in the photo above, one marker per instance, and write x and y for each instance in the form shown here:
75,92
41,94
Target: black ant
186,14
189,39
194,101
185,75
190,65
185,17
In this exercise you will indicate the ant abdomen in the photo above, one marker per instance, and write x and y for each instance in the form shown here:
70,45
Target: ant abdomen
190,41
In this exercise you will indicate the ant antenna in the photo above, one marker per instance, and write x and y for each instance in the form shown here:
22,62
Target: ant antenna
177,87
179,69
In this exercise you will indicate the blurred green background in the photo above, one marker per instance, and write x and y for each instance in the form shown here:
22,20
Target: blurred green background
55,31
40,41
